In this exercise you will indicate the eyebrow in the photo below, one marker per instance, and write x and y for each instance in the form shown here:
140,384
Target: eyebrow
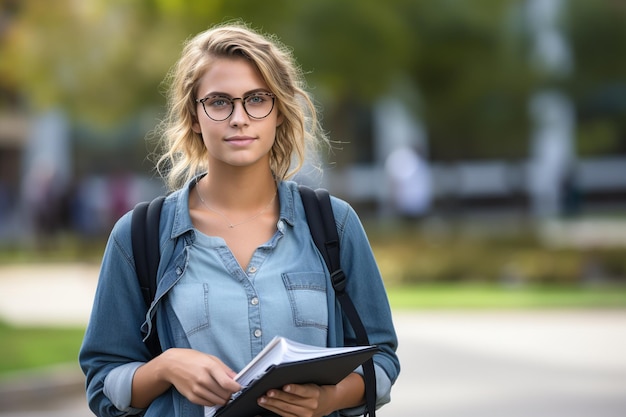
247,93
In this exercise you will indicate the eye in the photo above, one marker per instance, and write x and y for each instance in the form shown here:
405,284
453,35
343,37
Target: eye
218,101
256,99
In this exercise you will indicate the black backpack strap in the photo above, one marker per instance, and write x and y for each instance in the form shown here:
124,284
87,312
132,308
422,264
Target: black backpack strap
321,220
146,252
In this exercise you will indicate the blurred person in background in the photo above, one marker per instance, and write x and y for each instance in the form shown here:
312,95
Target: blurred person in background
239,265
410,178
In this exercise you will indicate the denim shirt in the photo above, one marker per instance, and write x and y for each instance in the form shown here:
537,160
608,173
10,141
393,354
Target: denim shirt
113,345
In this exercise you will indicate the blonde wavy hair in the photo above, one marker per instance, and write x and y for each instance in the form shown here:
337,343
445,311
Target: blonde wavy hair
183,154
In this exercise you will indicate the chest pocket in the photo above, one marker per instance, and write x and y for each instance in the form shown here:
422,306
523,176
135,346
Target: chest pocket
307,297
190,301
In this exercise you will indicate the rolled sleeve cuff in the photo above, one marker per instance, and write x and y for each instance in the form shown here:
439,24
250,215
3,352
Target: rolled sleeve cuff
118,386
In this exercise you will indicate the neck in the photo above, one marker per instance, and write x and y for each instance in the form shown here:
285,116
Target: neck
238,190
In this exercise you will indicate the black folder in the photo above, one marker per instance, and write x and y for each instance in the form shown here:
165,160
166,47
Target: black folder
328,370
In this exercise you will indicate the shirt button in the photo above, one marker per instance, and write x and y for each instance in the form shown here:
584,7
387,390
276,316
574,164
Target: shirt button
254,301
258,333
252,270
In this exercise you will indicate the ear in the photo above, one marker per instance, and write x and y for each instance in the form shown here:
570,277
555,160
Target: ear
195,126
280,119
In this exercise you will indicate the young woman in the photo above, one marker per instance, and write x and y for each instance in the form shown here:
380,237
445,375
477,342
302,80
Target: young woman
238,262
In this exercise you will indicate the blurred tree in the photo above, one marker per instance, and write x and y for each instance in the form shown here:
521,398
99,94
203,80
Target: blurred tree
104,61
597,31
472,73
354,50
100,63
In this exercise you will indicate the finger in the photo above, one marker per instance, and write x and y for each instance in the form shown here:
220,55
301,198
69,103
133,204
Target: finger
202,396
284,396
225,380
285,403
281,408
223,387
296,393
208,391
299,390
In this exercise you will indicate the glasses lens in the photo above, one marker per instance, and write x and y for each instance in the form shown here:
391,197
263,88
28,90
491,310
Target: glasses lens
259,105
218,108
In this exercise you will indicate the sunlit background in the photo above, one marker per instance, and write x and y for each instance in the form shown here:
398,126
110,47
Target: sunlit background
483,143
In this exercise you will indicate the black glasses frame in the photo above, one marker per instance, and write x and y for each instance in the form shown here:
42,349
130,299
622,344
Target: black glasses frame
232,104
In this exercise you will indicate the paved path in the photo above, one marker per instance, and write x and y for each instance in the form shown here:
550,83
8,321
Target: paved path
455,364
530,364
47,294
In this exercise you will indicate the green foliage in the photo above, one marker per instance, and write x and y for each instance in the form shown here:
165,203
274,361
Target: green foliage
598,36
352,49
104,61
410,258
56,249
474,78
597,137
597,32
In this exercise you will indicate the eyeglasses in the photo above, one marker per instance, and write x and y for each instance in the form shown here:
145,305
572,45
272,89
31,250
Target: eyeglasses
219,108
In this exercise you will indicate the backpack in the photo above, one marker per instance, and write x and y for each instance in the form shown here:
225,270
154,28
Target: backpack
319,214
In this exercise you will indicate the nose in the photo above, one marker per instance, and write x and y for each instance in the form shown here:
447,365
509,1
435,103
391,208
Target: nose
239,116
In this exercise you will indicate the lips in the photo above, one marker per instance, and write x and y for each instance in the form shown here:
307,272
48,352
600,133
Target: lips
240,140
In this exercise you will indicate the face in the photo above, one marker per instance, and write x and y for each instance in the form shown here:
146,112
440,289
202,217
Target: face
239,140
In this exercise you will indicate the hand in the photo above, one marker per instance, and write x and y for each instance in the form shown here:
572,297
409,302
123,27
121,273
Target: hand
315,400
201,378
299,400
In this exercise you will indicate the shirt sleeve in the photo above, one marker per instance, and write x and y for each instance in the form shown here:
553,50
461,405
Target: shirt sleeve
118,386
383,390
113,345
367,291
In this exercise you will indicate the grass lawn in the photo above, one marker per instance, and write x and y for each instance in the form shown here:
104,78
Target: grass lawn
29,348
34,347
467,296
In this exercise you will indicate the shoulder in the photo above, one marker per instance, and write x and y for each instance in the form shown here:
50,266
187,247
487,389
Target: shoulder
121,229
342,210
293,188
123,226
